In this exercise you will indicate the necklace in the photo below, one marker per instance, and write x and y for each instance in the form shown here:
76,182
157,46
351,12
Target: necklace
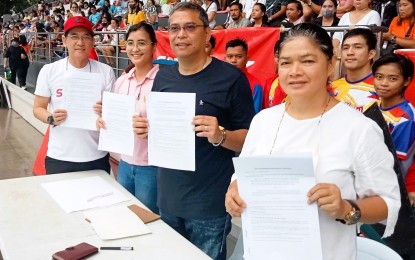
282,117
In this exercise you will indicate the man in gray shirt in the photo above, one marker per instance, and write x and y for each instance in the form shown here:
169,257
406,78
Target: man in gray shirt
236,19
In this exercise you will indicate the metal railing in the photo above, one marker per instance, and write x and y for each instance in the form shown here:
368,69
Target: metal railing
45,51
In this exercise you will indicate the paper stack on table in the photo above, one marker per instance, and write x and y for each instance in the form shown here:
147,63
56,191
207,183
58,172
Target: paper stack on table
84,193
116,222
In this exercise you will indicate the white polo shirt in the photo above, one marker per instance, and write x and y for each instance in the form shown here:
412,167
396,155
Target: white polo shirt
71,144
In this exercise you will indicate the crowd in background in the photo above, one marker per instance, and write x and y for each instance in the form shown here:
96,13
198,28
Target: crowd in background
356,49
117,15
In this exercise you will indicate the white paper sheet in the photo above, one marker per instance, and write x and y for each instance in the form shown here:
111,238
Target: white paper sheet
171,139
82,90
117,113
116,222
277,222
84,193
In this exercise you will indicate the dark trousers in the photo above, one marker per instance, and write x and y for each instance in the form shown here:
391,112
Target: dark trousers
57,166
21,73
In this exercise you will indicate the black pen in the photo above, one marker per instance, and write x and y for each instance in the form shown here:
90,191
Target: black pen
123,248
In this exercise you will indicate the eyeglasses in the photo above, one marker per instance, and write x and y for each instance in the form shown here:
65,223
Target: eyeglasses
76,38
138,44
189,28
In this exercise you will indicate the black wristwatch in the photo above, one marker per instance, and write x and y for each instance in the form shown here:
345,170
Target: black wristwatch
353,216
50,120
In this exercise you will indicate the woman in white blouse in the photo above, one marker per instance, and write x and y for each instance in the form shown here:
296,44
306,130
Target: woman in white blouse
352,165
361,15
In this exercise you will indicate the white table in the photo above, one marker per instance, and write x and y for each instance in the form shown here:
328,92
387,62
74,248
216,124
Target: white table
33,226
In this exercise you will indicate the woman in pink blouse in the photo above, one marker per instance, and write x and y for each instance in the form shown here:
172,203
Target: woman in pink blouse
134,173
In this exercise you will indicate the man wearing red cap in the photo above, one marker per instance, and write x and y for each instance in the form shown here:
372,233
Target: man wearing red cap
71,149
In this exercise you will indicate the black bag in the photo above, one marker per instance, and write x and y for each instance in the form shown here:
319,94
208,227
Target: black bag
391,47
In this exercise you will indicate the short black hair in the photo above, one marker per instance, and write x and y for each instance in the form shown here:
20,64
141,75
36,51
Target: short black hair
241,7
212,41
297,4
405,65
237,42
367,34
277,45
143,26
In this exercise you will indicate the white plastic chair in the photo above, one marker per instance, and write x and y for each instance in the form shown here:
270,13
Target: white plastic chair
368,249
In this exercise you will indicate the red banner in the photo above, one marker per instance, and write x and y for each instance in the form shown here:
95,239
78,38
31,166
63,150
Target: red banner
260,42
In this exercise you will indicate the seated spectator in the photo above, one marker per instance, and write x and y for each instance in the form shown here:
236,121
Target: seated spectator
211,8
210,45
276,11
237,19
393,73
298,12
101,3
85,8
118,10
151,14
135,14
47,21
401,31
57,16
75,10
259,17
56,36
344,6
41,41
68,15
237,55
328,15
95,16
356,87
248,5
110,7
113,40
105,38
387,10
362,15
100,25
315,6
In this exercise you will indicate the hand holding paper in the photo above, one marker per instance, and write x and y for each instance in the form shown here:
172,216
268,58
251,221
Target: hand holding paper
233,202
329,200
117,136
171,139
140,126
82,90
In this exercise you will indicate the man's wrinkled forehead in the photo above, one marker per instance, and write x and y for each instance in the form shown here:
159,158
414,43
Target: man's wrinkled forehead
184,16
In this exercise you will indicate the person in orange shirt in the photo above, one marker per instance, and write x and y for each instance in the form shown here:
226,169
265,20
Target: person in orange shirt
401,29
26,46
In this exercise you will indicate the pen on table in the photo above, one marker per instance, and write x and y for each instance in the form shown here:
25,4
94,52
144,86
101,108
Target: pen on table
99,196
123,248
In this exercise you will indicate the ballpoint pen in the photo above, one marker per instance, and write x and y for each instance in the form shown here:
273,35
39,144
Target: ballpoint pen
123,248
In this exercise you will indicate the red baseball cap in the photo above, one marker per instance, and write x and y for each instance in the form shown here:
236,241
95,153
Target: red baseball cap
77,21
